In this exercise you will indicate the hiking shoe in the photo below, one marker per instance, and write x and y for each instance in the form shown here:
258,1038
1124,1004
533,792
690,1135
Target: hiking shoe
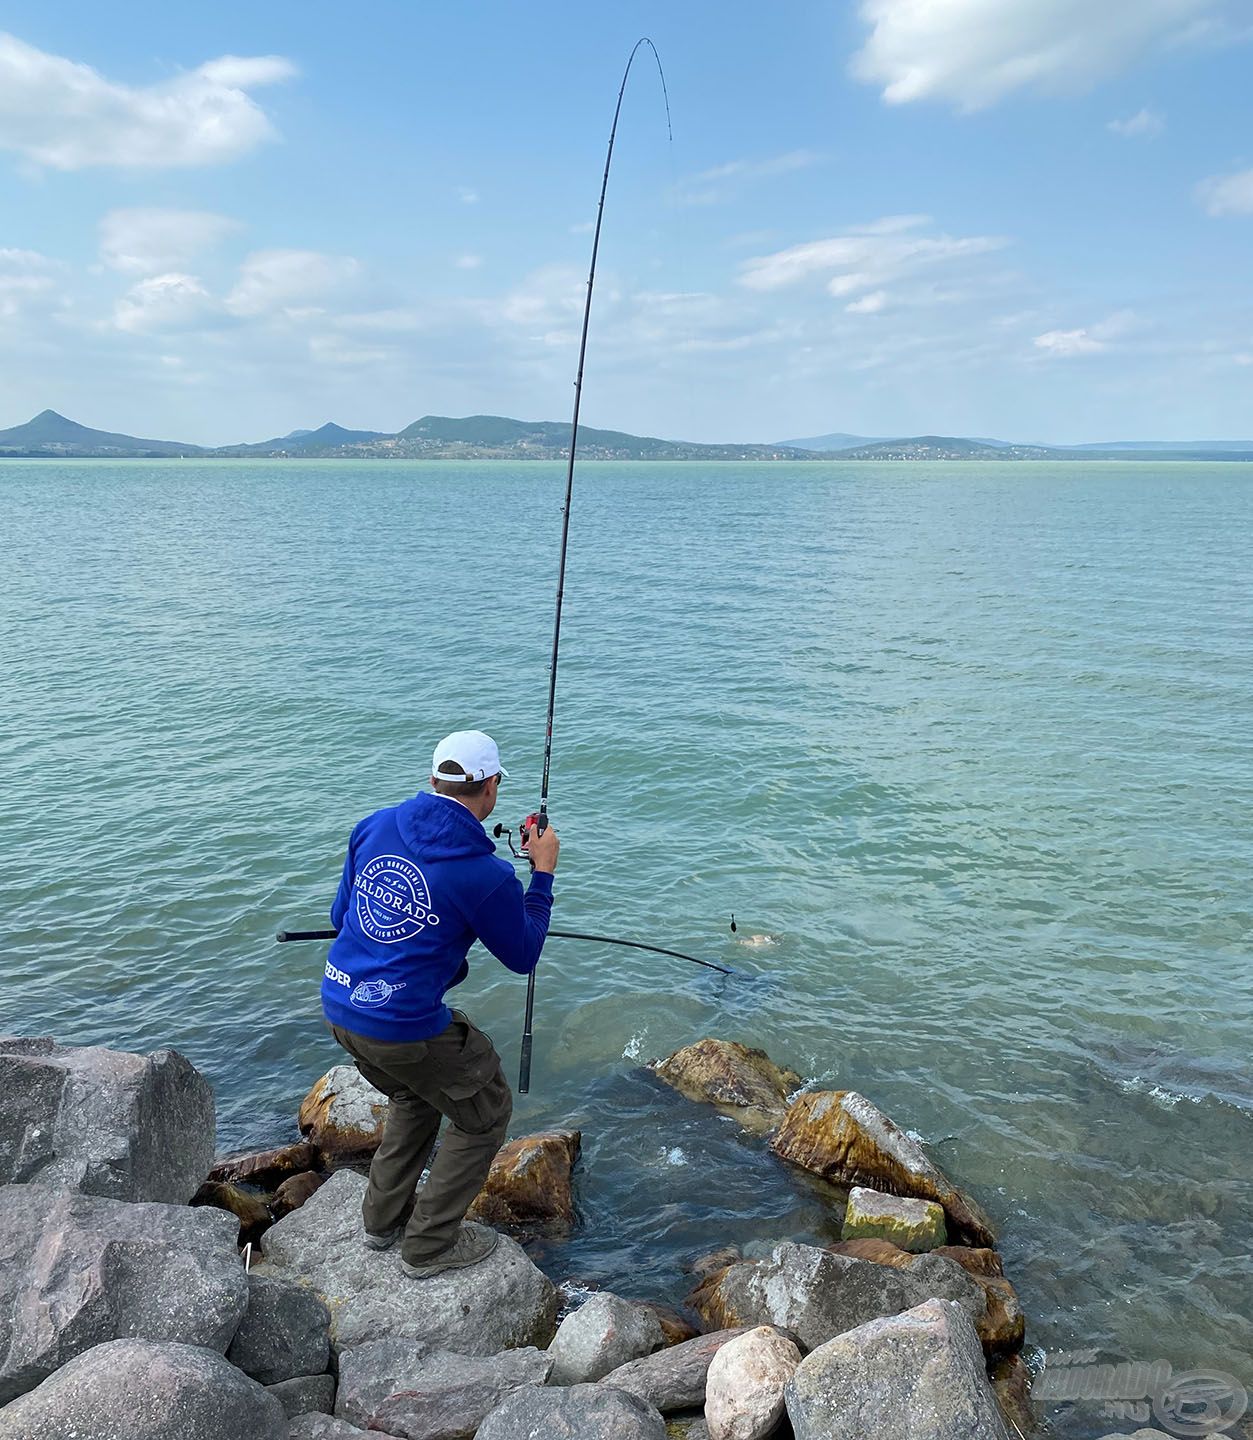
385,1241
473,1243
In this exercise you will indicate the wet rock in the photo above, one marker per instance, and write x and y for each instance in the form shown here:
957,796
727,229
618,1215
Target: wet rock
1004,1326
420,1393
266,1169
580,1412
745,1084
841,1136
294,1191
978,1260
305,1395
913,1225
247,1207
285,1332
1011,1385
676,1327
672,1379
530,1182
500,1304
914,1376
818,1294
714,1261
146,1390
343,1116
600,1335
77,1271
327,1427
129,1127
744,1387
1138,1435
882,1252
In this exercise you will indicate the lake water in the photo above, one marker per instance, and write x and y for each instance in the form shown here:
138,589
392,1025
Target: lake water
971,743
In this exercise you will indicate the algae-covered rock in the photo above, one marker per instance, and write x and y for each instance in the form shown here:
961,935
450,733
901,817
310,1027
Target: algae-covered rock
266,1169
530,1183
247,1206
841,1136
745,1084
343,1116
913,1225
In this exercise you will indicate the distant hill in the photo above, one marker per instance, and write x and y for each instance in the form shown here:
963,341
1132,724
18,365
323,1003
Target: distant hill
301,442
52,434
943,447
836,441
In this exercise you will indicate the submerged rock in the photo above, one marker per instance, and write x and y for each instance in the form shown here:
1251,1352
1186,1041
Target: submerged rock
914,1225
343,1116
530,1182
841,1136
817,1294
419,1393
146,1390
745,1084
247,1207
500,1304
1011,1384
285,1332
78,1271
600,1335
672,1379
129,1127
744,1387
581,1412
914,1376
267,1169
305,1395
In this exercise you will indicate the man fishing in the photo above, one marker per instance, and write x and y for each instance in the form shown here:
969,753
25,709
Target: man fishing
421,883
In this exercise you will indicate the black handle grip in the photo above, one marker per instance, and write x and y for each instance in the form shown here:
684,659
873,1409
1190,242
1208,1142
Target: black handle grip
524,1069
284,936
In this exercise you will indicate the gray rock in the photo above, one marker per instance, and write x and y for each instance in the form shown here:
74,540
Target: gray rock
77,1271
500,1304
603,1333
285,1332
672,1379
413,1390
687,1427
819,1295
579,1412
305,1395
130,1127
144,1390
744,1387
915,1376
326,1427
1137,1435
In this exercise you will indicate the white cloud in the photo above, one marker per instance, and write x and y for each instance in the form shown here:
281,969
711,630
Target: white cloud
866,258
1144,124
151,241
67,116
468,262
974,52
1089,340
27,279
288,282
1227,194
719,183
868,304
467,196
163,302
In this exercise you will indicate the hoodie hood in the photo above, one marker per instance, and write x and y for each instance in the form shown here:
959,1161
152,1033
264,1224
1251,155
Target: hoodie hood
437,828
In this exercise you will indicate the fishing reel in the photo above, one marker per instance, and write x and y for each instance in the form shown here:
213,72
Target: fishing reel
534,822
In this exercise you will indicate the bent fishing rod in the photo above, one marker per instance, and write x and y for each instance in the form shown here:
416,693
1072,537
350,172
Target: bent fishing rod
285,936
540,818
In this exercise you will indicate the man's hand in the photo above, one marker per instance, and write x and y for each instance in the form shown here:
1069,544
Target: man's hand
543,849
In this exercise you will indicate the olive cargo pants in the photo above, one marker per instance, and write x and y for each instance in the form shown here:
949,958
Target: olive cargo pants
455,1074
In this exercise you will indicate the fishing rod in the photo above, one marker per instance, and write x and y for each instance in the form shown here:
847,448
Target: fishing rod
285,936
540,819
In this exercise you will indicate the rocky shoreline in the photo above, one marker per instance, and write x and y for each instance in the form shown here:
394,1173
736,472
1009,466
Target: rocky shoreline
150,1290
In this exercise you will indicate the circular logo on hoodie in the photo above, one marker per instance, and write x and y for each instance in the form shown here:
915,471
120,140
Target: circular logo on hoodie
393,899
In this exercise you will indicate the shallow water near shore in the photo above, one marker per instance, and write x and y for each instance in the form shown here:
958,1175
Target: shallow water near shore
968,742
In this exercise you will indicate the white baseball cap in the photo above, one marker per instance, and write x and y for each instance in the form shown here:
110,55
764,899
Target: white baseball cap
475,752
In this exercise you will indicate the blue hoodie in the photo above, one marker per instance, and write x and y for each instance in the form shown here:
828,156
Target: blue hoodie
421,883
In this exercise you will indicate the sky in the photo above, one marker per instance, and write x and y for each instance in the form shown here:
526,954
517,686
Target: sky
1027,219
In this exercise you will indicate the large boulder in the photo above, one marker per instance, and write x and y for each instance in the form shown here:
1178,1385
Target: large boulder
579,1412
818,1295
603,1333
146,1390
408,1389
343,1116
77,1271
530,1184
305,1395
328,1427
247,1206
130,1127
744,1387
502,1303
285,1332
914,1376
841,1136
913,1225
745,1084
672,1379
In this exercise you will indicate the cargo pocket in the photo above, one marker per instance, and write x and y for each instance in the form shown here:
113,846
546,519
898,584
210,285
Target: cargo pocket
477,1092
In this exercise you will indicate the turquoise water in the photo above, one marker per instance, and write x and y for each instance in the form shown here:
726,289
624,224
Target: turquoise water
969,742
